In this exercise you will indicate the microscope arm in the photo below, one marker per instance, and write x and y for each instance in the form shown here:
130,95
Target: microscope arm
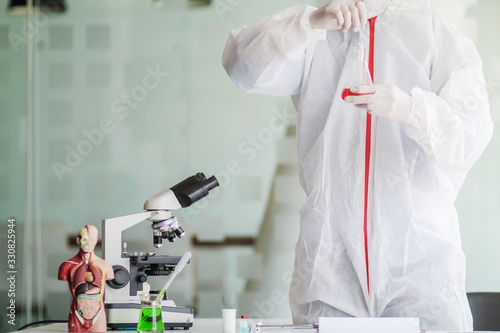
112,234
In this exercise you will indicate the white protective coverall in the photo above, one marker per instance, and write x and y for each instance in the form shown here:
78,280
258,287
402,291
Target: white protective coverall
415,260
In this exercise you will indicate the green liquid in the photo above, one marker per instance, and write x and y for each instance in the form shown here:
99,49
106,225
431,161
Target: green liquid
150,320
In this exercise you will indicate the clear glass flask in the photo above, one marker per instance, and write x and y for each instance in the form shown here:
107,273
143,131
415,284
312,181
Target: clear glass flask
150,319
360,73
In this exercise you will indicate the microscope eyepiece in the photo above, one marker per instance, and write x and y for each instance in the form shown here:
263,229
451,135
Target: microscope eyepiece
193,188
211,183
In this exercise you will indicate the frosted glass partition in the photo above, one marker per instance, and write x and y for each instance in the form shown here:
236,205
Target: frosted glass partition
15,131
111,102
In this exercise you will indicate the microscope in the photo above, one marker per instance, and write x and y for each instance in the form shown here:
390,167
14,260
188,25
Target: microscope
122,302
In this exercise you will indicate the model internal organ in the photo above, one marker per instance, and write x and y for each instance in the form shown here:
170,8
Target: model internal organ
86,274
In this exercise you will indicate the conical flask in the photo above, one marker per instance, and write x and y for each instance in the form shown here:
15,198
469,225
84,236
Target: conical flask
360,72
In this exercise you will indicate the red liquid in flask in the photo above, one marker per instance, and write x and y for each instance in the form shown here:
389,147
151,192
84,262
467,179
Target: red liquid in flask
347,92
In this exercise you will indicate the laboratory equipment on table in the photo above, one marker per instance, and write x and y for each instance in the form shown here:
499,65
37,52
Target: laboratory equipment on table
228,320
244,326
150,319
85,274
122,302
259,326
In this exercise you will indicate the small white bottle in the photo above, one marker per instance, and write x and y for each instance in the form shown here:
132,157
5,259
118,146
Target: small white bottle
244,327
229,320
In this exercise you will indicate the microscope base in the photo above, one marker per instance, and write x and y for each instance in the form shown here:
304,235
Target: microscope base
126,315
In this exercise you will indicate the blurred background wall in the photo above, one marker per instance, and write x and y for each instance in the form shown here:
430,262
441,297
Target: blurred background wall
111,102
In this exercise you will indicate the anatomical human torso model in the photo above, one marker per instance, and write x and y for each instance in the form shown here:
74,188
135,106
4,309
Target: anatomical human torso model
86,274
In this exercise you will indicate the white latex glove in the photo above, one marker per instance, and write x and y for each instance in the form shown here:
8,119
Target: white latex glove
340,14
383,100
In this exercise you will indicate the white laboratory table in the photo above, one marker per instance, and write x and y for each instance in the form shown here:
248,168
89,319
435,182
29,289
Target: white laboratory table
212,325
201,325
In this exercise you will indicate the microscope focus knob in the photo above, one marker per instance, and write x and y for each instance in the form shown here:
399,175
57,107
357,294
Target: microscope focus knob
122,277
142,277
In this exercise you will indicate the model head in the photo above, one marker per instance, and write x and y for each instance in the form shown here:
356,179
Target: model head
87,238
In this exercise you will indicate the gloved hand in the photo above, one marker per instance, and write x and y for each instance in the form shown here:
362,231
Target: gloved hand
384,100
339,14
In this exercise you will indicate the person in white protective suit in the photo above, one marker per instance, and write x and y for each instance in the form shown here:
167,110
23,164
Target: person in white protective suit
379,233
